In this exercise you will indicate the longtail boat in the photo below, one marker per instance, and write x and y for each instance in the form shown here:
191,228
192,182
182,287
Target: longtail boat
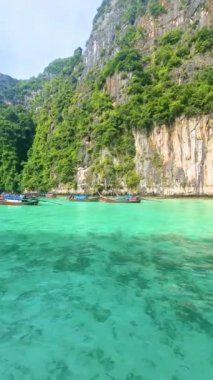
18,200
121,199
83,198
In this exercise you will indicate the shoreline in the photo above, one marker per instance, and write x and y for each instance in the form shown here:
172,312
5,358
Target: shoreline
146,197
179,196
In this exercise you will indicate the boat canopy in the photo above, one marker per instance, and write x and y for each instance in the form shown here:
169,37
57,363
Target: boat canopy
13,197
81,196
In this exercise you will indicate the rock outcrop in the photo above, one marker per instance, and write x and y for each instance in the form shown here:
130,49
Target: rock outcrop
177,160
102,43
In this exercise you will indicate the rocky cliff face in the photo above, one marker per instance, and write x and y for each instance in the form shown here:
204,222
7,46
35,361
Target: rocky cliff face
171,161
102,43
177,160
178,13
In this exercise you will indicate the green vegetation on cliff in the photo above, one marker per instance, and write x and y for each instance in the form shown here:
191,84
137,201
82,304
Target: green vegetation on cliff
154,98
83,127
156,8
16,137
53,158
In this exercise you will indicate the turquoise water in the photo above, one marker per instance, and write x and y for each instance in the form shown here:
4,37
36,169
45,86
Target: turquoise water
107,292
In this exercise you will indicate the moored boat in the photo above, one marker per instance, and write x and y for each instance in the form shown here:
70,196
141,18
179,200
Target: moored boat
18,200
121,199
83,198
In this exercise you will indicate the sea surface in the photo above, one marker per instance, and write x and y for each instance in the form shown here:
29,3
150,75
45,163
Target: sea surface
107,291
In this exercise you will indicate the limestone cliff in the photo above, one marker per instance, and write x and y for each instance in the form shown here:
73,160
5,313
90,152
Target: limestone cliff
115,15
170,161
177,160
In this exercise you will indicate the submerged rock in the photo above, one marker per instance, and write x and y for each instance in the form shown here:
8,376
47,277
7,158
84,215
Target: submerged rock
100,314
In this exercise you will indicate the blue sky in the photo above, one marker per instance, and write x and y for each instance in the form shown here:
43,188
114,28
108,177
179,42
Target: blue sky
35,32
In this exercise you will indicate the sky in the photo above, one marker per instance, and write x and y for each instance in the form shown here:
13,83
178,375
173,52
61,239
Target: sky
35,32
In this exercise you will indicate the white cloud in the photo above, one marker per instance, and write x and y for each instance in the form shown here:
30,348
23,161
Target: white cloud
35,32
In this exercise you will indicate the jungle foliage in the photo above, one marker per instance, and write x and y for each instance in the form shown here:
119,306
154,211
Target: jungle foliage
16,137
